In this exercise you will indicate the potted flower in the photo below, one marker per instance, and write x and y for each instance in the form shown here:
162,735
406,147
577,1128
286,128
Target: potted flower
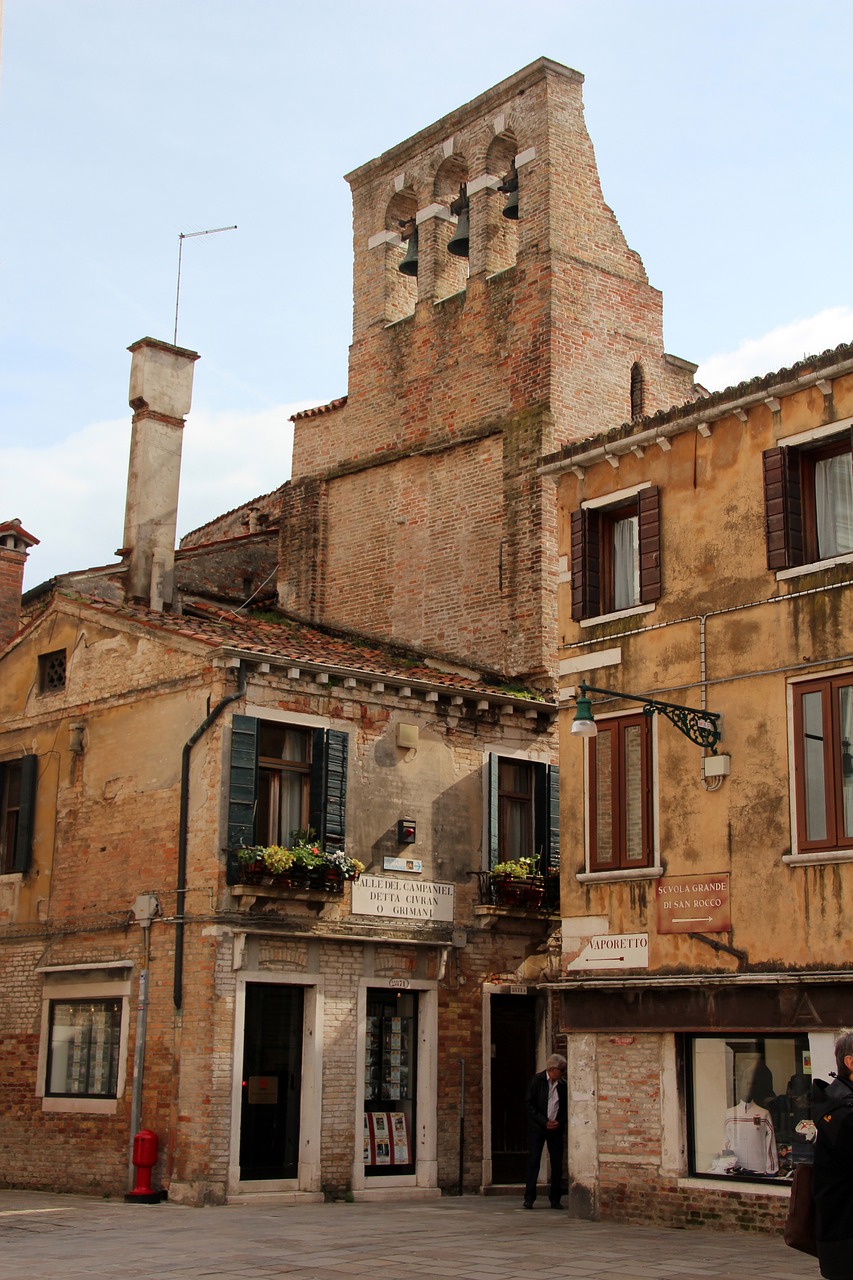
513,883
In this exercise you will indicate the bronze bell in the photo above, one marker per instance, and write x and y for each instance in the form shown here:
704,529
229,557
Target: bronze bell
409,264
510,187
458,243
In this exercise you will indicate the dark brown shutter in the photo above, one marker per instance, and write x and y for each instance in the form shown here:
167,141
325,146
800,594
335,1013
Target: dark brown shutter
586,564
649,545
783,516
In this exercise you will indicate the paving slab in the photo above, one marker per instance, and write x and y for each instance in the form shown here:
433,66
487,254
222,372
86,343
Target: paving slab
455,1238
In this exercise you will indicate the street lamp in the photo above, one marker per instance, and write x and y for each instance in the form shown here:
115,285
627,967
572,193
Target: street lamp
701,727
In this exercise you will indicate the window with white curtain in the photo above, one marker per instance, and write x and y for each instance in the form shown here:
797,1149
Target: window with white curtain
823,763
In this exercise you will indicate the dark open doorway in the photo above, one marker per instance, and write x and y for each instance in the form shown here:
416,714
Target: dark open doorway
513,1020
271,1082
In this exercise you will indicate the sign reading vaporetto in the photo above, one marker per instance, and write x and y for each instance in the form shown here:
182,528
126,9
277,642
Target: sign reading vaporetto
402,899
612,951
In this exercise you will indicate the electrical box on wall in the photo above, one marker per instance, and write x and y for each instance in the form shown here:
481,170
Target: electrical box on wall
406,831
716,766
407,736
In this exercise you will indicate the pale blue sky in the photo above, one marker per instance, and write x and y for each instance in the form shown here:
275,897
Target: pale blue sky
723,136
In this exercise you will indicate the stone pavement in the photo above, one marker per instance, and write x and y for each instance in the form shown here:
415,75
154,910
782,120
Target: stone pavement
471,1238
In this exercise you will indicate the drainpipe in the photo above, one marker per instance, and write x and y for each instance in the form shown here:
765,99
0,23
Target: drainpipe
209,719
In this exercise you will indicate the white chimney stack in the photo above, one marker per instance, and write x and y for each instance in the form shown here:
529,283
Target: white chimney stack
161,383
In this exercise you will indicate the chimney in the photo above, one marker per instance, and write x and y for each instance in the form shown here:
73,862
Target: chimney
15,543
161,383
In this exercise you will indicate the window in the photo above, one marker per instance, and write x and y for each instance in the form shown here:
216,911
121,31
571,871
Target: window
524,812
285,778
620,795
749,1105
52,671
83,1048
808,501
616,554
823,763
17,800
637,392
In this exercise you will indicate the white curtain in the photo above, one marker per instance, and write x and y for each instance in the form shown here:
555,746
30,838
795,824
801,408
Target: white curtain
833,483
626,564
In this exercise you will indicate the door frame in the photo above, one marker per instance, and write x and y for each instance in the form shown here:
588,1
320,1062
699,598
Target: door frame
543,1040
426,1096
310,1103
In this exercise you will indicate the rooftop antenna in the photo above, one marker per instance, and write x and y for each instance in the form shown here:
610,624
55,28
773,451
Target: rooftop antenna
189,235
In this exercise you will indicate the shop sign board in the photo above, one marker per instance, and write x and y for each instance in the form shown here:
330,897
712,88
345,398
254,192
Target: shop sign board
613,951
694,904
402,899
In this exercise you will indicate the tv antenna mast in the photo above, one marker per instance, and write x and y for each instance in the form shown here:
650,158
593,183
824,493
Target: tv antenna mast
190,235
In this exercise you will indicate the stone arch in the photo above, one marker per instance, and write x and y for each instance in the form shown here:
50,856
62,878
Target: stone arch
500,234
401,291
451,274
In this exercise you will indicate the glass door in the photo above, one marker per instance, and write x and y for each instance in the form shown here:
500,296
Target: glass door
390,1082
271,1082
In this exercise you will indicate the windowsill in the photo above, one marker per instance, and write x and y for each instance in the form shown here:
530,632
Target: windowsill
609,877
9,877
744,1187
82,1106
525,913
621,613
815,859
799,570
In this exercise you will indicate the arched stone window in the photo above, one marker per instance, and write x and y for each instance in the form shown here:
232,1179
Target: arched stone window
401,291
500,233
451,273
638,390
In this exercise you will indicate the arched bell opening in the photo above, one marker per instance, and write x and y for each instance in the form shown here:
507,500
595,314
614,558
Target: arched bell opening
401,260
638,392
502,207
450,240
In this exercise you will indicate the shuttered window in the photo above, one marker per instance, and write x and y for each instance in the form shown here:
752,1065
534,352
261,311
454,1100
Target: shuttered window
808,502
823,763
524,811
616,555
281,775
17,812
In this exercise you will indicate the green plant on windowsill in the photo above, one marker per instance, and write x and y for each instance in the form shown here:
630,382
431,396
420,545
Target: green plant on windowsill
515,869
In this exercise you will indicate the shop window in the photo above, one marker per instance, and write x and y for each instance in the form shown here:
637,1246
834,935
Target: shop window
615,554
749,1111
83,1048
808,502
286,778
621,819
524,812
17,802
823,763
390,1082
52,671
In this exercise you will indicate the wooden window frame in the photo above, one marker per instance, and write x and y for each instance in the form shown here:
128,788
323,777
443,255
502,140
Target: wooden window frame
828,688
592,552
615,727
271,771
790,522
545,812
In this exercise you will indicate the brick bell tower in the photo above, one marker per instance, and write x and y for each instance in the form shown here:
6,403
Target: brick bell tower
415,511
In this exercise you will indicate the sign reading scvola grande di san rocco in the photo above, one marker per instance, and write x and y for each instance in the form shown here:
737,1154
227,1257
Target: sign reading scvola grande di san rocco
400,899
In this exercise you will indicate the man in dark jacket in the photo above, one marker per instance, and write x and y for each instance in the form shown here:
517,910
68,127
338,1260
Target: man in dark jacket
547,1107
833,1166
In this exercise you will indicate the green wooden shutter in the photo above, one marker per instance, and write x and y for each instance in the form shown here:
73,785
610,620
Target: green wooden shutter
492,833
553,817
243,781
26,815
329,750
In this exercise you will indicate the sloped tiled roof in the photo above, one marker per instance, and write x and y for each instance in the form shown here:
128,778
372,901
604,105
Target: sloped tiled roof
290,641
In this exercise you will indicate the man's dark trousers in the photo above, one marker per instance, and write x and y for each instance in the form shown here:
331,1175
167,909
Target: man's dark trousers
539,1135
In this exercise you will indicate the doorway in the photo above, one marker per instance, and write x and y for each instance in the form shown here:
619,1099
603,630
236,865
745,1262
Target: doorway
271,1082
390,1082
513,1040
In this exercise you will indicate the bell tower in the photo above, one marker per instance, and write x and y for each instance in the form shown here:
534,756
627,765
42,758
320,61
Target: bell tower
521,321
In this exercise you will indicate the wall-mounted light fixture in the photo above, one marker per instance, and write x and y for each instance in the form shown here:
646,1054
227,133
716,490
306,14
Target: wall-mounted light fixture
701,727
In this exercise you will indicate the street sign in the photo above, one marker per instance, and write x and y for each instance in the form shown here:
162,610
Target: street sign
613,951
694,904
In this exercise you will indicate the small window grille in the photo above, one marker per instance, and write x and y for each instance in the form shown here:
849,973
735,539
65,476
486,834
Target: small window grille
52,671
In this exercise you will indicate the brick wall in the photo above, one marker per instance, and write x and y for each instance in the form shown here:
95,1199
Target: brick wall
11,580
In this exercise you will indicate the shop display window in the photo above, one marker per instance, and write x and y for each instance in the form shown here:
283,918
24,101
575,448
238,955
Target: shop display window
83,1050
390,1066
749,1110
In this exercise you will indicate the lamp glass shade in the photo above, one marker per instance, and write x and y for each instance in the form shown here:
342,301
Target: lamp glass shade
583,725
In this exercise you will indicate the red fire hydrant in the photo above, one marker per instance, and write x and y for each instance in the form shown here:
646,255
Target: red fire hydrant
144,1160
